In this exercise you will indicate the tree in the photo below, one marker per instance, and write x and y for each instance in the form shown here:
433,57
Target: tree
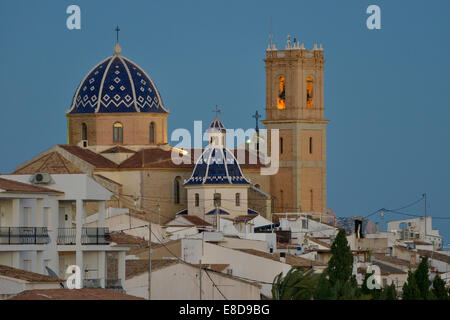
410,289
323,289
438,288
422,278
340,265
374,293
297,284
389,292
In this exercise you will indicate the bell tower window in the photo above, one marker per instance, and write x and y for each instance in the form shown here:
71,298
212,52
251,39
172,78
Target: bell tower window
310,145
309,93
281,99
118,132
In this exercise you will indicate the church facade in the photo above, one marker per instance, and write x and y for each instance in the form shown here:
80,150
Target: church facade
117,133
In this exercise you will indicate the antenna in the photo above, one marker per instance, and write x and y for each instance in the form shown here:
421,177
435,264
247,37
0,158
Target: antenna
270,32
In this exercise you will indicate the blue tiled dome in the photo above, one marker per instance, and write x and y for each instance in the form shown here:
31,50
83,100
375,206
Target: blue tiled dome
217,165
117,85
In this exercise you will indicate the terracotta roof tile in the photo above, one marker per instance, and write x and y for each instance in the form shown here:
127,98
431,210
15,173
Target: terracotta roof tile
322,243
122,238
434,255
290,259
393,260
89,156
26,275
197,221
118,149
73,294
53,163
136,267
15,186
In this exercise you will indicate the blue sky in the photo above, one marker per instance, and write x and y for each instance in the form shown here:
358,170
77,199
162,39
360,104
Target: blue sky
386,91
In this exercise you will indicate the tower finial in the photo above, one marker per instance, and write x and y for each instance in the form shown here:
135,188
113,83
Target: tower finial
117,47
217,111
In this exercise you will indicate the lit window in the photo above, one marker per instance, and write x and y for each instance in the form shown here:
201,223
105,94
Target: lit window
281,99
152,133
309,93
117,132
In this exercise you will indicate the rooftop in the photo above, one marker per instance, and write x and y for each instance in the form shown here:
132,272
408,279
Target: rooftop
73,294
20,274
15,186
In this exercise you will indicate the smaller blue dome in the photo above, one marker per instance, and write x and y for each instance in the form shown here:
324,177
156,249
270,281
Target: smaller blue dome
217,165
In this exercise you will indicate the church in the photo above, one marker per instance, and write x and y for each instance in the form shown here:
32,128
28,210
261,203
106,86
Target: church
117,134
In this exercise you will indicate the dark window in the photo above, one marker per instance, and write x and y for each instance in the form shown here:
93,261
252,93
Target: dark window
83,131
152,133
117,132
238,199
310,145
281,145
197,199
217,199
176,190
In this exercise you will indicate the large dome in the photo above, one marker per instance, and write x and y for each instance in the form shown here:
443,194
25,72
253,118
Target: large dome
116,85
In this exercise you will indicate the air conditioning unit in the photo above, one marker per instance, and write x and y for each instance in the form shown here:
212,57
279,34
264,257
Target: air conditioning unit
41,178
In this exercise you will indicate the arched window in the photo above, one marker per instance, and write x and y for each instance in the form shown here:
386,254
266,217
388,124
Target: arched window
309,93
310,145
238,199
281,145
197,199
83,131
152,132
117,132
176,189
281,99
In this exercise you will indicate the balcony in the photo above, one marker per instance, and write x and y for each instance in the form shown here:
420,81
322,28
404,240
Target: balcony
24,235
67,236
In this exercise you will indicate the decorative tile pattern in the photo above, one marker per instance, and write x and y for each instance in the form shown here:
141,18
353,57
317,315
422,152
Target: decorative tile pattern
117,85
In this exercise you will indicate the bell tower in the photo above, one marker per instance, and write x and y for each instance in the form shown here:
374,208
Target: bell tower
295,106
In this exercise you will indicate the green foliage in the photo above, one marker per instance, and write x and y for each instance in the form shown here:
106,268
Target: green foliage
297,284
323,289
389,293
422,278
374,293
341,263
410,289
438,289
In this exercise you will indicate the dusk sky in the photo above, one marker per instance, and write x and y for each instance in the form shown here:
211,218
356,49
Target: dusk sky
387,92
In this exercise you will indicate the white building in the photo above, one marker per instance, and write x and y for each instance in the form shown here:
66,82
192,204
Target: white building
416,229
42,219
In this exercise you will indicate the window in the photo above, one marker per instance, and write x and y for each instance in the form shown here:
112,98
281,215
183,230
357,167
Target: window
281,99
312,199
83,131
310,145
217,199
309,93
117,132
281,200
238,199
176,190
152,132
281,145
197,199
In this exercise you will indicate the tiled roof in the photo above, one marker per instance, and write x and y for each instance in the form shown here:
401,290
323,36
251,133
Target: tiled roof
73,294
89,156
290,259
118,149
136,267
393,260
53,163
15,186
244,218
154,158
384,269
434,255
122,238
26,275
197,221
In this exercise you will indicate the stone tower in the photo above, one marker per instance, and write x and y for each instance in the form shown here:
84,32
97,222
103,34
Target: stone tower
295,106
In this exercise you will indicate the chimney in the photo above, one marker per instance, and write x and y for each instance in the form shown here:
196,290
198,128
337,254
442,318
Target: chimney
377,227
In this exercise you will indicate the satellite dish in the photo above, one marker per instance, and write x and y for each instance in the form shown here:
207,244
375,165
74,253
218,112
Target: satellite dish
52,273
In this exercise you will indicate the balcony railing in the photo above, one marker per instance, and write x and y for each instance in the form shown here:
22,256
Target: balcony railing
109,283
24,235
67,236
113,284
